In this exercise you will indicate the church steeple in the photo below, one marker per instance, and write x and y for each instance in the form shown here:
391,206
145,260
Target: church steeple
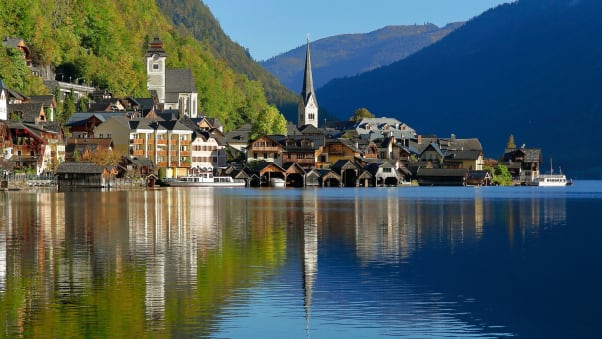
308,105
155,68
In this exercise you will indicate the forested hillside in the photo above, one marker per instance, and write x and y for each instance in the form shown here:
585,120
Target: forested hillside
103,42
531,68
193,16
351,54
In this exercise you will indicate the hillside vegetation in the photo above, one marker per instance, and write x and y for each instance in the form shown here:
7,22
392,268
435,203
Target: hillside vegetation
351,54
103,43
194,17
531,68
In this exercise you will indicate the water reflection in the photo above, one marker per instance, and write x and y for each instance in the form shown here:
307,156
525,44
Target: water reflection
195,262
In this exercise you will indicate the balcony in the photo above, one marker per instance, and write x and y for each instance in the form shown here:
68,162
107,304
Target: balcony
137,152
137,141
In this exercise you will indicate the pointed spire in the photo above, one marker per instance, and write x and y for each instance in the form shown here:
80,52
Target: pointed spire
308,83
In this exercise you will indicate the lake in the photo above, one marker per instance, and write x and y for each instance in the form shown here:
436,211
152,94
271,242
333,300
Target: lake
408,262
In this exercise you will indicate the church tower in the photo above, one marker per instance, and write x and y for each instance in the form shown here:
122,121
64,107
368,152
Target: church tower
155,68
308,105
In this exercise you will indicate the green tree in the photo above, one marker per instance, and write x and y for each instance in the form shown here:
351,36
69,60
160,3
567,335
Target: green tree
68,107
501,176
360,114
510,144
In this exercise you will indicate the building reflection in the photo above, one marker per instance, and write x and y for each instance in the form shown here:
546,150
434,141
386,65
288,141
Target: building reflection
154,244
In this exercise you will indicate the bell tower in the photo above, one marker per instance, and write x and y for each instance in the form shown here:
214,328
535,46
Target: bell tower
155,68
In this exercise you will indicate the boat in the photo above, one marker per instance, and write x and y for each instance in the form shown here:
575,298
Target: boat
551,180
204,180
277,182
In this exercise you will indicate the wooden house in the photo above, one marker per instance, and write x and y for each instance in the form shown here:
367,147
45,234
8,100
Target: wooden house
337,150
479,178
265,148
349,171
80,174
322,178
523,163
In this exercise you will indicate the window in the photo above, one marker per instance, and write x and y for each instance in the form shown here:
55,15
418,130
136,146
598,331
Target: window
155,66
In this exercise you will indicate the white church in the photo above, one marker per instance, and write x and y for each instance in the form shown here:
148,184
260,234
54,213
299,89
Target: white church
173,88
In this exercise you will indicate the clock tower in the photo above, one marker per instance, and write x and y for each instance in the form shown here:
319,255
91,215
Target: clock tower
155,68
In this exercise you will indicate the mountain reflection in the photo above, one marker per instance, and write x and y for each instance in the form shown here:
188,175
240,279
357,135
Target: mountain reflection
178,262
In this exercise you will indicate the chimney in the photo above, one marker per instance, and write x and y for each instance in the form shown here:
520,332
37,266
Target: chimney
419,140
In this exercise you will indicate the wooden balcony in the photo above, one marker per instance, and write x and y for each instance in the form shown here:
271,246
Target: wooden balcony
137,152
161,142
265,149
137,141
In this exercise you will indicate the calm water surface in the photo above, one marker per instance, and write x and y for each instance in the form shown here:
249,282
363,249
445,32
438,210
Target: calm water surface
302,263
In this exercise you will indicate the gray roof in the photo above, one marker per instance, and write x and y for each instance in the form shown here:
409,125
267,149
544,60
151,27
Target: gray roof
30,111
179,81
79,167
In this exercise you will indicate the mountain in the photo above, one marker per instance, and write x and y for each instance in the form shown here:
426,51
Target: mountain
350,54
532,68
195,17
103,42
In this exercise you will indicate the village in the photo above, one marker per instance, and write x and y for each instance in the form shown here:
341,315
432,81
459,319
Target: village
164,136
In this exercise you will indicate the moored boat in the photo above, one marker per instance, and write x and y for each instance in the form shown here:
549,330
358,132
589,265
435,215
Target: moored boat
204,180
277,182
551,180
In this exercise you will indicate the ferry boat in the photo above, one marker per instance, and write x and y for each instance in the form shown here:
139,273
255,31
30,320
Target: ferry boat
551,180
204,180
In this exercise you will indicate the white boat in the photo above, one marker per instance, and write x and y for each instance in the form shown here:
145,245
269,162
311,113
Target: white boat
277,182
551,180
204,180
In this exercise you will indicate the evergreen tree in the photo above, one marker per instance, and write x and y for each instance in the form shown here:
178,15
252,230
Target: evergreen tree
510,144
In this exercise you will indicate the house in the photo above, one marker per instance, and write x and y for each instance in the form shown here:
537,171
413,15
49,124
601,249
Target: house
3,101
76,147
384,173
303,150
83,124
38,147
349,171
48,105
265,149
523,163
318,177
262,172
294,175
374,128
166,143
207,152
479,178
432,156
336,150
32,112
80,174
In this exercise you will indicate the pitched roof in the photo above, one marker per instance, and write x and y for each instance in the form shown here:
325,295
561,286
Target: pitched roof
30,111
79,167
179,81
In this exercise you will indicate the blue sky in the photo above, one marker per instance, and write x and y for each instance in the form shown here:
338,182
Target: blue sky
270,27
